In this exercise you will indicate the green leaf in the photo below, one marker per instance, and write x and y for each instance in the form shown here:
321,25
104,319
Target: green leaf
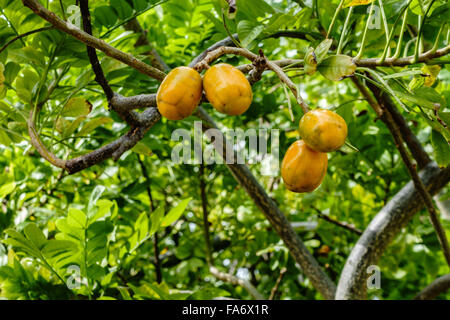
248,32
141,227
175,213
105,15
155,219
431,95
338,67
321,50
19,241
69,127
352,3
76,107
25,84
76,218
415,98
122,8
141,148
104,207
441,149
254,8
94,124
95,195
7,189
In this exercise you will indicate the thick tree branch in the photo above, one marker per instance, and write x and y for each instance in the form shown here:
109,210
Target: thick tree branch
389,221
408,136
401,62
223,43
116,148
438,286
91,41
26,34
260,60
141,101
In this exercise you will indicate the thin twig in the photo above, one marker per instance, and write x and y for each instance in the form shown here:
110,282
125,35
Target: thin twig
26,34
92,54
274,291
209,258
336,222
381,110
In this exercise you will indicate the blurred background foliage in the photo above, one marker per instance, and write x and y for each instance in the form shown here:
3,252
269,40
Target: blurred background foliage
101,219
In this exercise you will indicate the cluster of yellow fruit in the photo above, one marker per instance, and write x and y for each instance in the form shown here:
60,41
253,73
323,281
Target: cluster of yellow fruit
226,88
305,163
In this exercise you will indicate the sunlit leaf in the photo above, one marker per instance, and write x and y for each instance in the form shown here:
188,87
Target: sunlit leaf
175,213
338,67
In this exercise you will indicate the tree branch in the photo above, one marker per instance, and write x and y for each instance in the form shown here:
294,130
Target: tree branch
401,62
274,291
155,58
426,197
236,281
116,148
278,220
337,223
92,54
26,34
382,111
411,140
152,208
209,258
438,286
223,43
394,216
91,41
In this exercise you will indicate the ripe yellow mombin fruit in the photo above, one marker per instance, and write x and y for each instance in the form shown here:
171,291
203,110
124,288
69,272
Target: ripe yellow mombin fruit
227,89
323,130
180,93
303,169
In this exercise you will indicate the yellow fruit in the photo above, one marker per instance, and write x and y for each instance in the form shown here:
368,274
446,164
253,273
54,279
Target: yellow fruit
227,89
303,169
323,130
179,93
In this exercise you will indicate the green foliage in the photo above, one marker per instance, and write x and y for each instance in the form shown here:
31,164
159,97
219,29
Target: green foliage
96,229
